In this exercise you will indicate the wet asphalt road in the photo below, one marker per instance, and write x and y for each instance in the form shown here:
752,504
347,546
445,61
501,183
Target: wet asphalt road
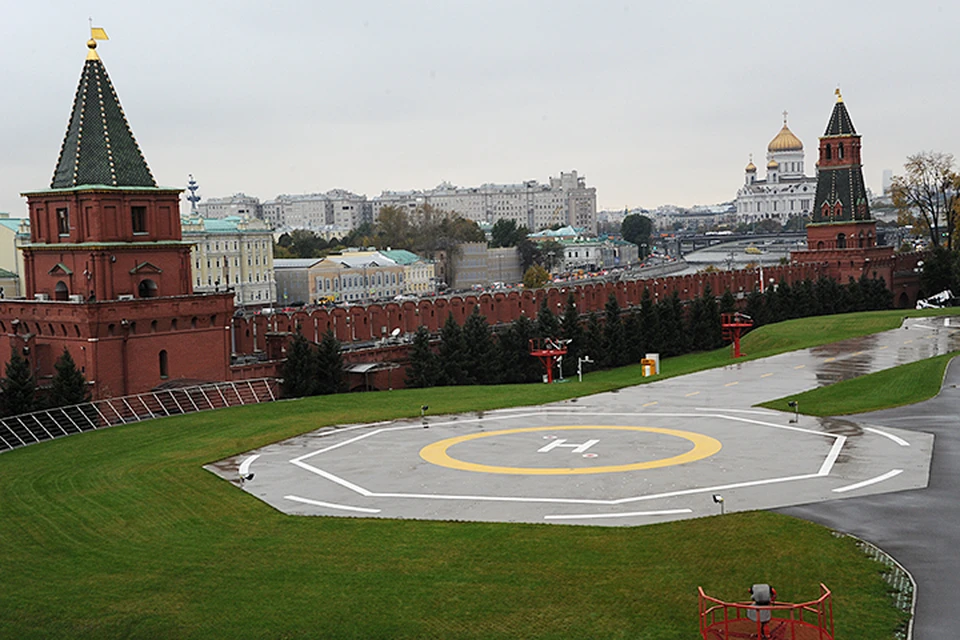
920,528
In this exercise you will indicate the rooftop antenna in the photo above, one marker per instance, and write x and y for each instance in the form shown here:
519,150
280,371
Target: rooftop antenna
193,198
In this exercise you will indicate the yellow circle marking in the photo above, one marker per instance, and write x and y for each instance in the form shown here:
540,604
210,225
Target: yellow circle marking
703,447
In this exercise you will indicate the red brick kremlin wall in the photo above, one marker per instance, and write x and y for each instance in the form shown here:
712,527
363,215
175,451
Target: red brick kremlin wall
375,321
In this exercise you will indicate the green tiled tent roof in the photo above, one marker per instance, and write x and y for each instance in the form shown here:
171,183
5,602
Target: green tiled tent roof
840,123
842,185
99,147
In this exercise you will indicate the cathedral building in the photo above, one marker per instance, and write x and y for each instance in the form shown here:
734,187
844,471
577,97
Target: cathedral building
107,273
785,191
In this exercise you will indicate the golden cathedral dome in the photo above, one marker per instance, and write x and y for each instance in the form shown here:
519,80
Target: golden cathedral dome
785,141
773,164
751,167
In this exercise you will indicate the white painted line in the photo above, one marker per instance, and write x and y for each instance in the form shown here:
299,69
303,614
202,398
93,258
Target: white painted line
332,478
596,516
831,458
722,487
757,412
245,465
331,505
898,440
866,483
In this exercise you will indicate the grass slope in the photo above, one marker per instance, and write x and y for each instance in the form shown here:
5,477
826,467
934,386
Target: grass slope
121,533
903,385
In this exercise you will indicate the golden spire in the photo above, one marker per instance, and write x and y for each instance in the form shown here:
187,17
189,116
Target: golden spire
96,33
837,92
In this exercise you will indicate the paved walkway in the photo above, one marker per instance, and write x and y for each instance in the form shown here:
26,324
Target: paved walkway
921,529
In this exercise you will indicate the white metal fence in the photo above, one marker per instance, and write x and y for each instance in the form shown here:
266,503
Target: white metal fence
30,428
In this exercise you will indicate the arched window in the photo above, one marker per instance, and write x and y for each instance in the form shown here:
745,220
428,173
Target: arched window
173,325
153,326
841,241
828,152
840,150
60,292
193,322
820,245
163,364
147,289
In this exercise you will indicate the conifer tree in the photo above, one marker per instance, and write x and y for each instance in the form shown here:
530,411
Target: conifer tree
650,324
728,304
671,317
547,324
69,386
634,344
453,354
571,330
424,366
300,368
329,365
480,363
593,341
710,319
514,347
614,345
19,387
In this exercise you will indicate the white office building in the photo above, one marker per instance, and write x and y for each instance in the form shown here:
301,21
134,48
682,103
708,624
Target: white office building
564,200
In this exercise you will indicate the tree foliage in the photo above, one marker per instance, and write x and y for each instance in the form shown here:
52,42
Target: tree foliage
637,229
300,368
927,195
506,233
535,277
69,386
19,387
329,367
424,370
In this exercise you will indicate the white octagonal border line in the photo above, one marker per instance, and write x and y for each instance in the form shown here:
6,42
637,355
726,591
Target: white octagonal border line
824,470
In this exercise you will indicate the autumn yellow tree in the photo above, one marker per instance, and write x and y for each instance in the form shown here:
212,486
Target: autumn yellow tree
927,196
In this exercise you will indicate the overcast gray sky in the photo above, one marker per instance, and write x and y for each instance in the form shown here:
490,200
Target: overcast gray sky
654,102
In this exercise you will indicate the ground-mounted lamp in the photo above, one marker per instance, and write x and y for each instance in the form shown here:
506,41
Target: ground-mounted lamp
718,499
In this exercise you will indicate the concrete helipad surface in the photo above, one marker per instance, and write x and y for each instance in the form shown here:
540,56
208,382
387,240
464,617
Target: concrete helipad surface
645,454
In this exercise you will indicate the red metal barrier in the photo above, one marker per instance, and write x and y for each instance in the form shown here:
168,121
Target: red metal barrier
812,620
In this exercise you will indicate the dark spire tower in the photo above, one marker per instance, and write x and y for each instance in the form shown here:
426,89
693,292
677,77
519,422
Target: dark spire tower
841,212
104,229
107,273
842,238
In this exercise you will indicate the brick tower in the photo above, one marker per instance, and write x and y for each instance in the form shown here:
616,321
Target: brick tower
107,273
842,237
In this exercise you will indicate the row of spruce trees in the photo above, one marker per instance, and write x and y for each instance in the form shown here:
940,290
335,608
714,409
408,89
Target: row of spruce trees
19,392
477,353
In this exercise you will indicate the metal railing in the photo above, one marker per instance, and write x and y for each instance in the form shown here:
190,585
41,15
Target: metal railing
30,428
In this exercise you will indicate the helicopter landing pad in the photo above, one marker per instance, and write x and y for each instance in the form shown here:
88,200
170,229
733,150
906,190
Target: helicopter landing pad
570,464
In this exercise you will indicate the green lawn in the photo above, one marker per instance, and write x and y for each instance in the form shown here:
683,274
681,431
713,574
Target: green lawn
121,534
907,384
